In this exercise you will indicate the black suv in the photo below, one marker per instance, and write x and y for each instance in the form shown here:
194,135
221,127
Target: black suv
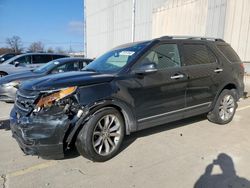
130,88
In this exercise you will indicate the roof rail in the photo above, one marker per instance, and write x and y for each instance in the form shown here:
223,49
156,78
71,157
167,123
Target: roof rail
192,38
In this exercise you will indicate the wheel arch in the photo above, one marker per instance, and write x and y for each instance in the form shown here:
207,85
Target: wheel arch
126,112
229,86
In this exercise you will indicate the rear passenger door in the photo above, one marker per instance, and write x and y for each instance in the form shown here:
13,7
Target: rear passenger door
203,70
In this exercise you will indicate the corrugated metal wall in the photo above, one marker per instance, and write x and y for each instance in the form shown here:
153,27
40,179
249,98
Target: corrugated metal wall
186,17
228,19
109,23
237,27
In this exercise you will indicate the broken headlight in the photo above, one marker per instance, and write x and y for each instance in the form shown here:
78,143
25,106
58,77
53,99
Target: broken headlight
48,99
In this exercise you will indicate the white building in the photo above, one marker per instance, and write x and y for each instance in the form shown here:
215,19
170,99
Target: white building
110,22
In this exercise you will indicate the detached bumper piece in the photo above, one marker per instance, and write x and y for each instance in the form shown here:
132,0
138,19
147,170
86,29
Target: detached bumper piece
42,136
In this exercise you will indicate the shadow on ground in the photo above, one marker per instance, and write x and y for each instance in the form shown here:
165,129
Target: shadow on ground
227,179
4,125
154,130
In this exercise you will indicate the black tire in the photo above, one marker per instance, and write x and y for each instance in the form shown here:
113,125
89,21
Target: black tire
85,139
2,74
214,116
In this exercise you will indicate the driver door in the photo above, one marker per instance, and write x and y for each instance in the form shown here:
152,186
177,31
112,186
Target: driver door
160,97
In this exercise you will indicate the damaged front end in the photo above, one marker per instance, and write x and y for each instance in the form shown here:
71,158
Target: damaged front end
42,122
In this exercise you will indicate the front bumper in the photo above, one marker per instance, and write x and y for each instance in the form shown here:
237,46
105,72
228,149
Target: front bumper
7,94
41,135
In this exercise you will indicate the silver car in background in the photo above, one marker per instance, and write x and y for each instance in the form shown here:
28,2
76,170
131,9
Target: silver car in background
26,62
10,83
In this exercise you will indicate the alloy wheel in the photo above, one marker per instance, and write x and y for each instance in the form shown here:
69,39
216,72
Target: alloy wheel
227,107
106,135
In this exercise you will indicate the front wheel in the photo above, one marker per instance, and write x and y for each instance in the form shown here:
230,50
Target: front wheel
224,108
101,137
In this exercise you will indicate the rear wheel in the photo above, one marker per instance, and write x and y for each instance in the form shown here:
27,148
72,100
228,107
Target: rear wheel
101,137
224,108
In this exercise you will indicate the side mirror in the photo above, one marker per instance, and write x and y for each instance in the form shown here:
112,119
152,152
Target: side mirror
146,68
2,59
16,63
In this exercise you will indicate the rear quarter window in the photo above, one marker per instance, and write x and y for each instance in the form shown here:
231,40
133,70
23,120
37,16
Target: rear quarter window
229,53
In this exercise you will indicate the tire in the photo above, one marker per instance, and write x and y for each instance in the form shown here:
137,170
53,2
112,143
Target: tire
2,74
224,108
106,142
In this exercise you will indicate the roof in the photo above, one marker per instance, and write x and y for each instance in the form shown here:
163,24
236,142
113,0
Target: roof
191,38
63,60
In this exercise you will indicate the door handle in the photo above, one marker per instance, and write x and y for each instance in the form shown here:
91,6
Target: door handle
179,76
218,70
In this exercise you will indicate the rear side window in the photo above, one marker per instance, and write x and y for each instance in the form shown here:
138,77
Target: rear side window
197,54
229,52
58,56
39,59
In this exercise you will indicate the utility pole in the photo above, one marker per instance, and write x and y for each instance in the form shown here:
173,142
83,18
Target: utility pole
84,28
133,19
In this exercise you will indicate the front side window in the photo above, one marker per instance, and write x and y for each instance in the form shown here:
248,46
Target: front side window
24,60
83,64
197,54
114,60
164,56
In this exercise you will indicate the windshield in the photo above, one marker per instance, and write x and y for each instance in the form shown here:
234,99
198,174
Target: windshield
114,60
46,67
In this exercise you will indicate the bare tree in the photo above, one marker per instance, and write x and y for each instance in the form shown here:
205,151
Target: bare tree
15,43
36,47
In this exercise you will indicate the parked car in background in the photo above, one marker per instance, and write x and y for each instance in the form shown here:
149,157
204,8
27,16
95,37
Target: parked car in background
26,61
5,57
9,83
132,87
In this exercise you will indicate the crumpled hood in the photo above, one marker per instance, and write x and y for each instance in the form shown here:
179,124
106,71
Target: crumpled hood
68,79
24,75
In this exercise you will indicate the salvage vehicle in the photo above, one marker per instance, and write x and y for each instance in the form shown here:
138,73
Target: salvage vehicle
10,83
130,88
27,61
